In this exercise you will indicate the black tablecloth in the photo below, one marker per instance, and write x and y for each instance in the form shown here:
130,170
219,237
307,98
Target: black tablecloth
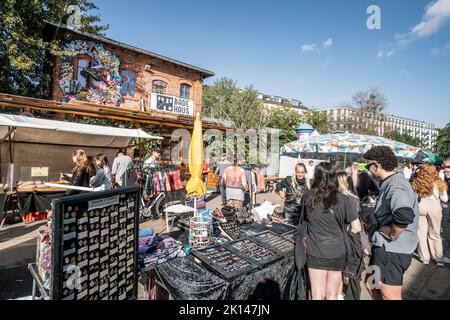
187,280
3,198
36,201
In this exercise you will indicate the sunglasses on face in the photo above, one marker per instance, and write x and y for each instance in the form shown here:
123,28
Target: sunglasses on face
369,165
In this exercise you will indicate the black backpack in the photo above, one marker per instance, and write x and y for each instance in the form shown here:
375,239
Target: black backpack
354,253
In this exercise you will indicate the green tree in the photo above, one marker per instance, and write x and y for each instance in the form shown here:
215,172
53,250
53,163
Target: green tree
240,107
443,141
22,47
404,138
318,120
286,119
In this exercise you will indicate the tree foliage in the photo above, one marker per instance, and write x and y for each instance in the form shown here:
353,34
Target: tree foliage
318,120
443,141
22,47
372,101
404,138
224,100
286,119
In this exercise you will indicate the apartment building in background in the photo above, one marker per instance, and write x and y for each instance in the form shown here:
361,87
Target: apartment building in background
348,119
271,101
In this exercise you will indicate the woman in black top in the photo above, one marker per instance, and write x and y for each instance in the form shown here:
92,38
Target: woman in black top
80,176
328,212
292,190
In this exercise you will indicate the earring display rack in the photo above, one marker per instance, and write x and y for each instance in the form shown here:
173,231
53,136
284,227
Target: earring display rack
95,245
253,251
224,262
274,242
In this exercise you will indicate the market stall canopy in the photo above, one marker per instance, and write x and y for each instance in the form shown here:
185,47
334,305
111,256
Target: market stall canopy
349,143
43,131
432,158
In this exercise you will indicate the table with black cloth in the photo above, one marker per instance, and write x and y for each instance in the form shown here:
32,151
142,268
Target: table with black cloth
185,279
37,201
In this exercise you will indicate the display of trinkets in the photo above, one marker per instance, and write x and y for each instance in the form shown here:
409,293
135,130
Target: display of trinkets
252,251
274,242
99,244
223,261
230,230
291,236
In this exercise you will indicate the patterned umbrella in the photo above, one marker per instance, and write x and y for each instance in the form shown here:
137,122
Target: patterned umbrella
349,143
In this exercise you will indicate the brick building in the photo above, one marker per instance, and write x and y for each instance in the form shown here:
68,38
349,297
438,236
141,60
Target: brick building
102,71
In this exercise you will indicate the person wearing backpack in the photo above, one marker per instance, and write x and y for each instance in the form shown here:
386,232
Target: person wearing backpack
326,212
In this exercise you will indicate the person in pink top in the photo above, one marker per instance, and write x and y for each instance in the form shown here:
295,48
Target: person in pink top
235,184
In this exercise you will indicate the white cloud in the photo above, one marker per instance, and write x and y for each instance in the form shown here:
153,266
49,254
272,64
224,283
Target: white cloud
406,73
328,43
312,47
380,54
309,48
437,13
442,51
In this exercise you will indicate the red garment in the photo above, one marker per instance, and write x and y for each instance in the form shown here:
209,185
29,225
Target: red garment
177,184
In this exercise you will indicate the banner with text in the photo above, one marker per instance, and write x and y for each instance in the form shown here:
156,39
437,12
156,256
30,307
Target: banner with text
171,104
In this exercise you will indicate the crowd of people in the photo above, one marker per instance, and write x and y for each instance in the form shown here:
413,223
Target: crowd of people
406,220
95,172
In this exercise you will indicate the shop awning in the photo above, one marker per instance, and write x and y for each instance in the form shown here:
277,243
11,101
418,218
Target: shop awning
43,131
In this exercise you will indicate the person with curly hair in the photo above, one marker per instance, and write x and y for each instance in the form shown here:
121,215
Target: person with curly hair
431,190
397,219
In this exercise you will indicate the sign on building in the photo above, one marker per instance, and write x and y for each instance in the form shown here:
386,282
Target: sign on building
171,104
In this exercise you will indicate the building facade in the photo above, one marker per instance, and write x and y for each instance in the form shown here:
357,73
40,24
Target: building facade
270,101
102,71
349,119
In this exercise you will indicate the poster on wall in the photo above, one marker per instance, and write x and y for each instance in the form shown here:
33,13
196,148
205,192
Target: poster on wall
171,104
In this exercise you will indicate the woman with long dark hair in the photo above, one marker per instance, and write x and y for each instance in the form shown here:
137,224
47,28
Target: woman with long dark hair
328,212
431,191
292,189
103,175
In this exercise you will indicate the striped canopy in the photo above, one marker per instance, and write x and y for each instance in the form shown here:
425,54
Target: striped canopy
348,143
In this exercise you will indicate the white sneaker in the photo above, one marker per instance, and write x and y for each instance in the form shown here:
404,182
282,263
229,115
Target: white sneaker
340,297
426,263
446,260
440,264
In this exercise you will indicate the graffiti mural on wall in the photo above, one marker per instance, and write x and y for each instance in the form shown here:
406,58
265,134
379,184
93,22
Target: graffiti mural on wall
100,77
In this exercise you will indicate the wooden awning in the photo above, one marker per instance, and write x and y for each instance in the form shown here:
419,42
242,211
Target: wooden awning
105,112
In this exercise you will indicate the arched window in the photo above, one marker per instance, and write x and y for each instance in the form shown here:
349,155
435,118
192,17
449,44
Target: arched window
185,91
159,86
128,87
82,63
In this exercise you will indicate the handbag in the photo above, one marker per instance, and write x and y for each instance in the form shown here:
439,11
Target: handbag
354,253
367,214
300,242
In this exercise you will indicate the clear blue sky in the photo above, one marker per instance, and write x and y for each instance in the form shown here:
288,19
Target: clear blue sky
284,48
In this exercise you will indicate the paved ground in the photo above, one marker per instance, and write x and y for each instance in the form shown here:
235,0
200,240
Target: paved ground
18,248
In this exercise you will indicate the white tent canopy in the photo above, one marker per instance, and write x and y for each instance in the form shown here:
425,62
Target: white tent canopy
42,131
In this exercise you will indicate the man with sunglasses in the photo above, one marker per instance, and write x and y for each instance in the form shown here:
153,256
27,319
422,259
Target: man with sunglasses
397,215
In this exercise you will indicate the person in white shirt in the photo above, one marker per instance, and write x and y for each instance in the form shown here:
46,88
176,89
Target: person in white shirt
407,172
152,162
310,168
432,191
120,166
